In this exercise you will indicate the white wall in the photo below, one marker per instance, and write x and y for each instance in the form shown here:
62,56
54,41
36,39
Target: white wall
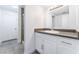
72,16
77,16
34,18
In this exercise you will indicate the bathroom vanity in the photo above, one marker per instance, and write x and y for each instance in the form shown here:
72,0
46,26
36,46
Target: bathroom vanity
56,41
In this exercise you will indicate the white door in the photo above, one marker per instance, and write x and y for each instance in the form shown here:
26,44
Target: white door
10,25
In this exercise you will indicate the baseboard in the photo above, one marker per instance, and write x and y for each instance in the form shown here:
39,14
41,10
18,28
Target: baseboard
8,40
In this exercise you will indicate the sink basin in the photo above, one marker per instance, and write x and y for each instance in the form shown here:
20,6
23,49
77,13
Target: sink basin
51,31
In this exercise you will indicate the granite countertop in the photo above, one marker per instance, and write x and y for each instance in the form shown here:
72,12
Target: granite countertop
73,35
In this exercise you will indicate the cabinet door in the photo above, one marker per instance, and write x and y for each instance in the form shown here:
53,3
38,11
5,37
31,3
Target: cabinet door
50,47
39,42
50,44
65,46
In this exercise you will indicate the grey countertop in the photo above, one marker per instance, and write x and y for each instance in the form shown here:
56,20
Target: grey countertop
73,35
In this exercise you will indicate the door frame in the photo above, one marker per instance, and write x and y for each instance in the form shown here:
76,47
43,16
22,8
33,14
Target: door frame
20,23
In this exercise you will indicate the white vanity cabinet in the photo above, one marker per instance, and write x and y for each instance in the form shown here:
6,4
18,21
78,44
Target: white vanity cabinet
51,44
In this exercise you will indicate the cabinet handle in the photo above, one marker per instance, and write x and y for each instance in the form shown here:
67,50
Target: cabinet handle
66,43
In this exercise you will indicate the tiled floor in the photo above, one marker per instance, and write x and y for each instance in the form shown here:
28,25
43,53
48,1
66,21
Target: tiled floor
11,47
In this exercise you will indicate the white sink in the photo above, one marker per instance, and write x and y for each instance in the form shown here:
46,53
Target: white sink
51,31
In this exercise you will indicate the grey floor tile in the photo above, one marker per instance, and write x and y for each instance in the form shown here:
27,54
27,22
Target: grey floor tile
11,47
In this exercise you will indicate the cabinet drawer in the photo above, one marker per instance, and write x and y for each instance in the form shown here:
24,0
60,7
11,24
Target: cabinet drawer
65,45
39,35
49,38
46,37
65,40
